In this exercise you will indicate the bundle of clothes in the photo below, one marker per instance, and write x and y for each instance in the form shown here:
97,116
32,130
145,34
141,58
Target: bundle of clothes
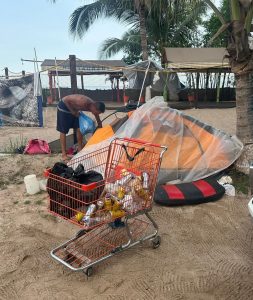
62,195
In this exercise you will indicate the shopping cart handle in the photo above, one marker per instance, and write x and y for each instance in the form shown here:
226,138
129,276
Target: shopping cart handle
141,142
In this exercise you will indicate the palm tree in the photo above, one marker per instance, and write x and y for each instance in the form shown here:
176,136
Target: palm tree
171,29
124,11
241,61
141,6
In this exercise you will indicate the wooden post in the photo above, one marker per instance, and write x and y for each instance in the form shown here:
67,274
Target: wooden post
118,97
23,73
50,87
54,89
73,79
82,82
197,87
6,71
206,84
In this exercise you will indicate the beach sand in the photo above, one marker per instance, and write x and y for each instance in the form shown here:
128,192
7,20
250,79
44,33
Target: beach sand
206,250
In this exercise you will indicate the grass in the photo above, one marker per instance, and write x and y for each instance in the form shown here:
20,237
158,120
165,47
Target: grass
39,202
15,144
3,185
240,180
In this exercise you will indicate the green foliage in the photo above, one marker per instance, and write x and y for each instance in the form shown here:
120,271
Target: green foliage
213,24
15,143
39,202
168,24
240,180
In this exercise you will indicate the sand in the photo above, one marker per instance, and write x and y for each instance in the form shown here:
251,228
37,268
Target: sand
206,250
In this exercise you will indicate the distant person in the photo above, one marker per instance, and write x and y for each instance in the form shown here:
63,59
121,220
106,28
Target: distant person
68,111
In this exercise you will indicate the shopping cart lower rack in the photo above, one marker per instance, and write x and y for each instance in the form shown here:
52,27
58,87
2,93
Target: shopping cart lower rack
110,201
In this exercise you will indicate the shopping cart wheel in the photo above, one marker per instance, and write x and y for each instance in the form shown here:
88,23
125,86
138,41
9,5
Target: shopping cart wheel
80,233
156,242
89,271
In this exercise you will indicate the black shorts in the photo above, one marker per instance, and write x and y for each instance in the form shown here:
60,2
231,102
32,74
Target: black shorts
65,119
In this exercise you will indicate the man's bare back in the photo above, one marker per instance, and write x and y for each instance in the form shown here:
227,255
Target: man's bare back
76,103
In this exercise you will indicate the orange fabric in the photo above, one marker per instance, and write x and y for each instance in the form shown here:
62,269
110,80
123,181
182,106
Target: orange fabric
190,149
100,135
130,113
192,146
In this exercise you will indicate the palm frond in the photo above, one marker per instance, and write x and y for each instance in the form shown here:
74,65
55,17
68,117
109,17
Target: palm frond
84,16
112,46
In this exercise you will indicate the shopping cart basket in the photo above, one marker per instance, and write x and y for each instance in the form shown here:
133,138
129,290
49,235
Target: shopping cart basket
113,213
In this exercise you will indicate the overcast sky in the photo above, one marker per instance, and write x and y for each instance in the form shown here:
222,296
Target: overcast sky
25,24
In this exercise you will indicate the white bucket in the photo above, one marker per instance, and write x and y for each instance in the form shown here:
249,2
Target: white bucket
31,184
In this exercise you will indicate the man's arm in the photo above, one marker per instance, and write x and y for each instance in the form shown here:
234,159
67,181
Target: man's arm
98,120
93,110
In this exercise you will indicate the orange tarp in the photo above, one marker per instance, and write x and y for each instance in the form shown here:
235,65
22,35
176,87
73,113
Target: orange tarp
100,135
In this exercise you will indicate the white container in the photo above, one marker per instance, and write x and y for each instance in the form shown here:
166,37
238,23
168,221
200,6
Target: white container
250,206
31,184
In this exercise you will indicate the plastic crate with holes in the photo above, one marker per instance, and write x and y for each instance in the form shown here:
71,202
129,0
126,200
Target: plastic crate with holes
111,206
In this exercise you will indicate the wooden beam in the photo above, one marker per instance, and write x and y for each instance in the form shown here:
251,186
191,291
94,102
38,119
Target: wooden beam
82,82
73,79
6,71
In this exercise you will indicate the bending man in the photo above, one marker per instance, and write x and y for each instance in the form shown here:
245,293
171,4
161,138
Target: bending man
68,111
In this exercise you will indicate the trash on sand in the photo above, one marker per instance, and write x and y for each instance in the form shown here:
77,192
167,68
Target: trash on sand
229,189
225,179
226,182
43,184
250,207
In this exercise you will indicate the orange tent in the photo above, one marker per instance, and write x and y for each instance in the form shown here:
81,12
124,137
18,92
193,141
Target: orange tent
195,149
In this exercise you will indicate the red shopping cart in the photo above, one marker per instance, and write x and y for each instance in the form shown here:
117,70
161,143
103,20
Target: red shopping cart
113,213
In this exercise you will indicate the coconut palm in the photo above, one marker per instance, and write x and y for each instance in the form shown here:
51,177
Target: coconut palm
124,11
241,61
171,29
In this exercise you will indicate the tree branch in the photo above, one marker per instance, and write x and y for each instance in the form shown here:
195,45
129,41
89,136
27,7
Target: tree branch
216,11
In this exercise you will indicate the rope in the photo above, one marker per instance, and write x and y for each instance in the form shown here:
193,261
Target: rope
53,67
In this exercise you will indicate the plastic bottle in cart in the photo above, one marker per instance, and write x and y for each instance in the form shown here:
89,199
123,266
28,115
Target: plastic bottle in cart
100,204
108,202
116,205
145,180
90,211
142,193
121,192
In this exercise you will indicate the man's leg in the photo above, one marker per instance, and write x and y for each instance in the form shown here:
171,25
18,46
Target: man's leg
63,146
79,139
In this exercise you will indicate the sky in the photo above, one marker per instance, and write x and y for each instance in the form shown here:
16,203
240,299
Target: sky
39,24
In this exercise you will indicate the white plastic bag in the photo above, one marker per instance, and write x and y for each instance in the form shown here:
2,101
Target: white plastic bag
229,189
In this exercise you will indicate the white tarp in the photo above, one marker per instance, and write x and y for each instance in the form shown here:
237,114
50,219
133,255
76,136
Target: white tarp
195,150
18,101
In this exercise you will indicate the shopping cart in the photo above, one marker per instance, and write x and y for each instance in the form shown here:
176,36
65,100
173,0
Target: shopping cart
113,213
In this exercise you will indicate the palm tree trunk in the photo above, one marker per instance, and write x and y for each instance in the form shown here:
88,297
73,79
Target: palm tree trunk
244,112
143,32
